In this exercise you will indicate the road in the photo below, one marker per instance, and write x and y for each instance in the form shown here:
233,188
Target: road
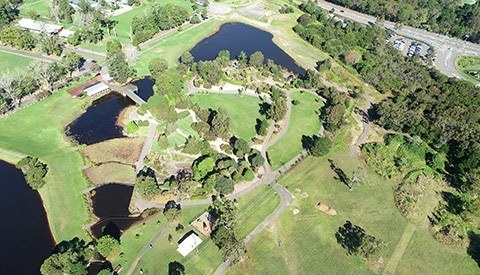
33,55
86,53
147,248
447,48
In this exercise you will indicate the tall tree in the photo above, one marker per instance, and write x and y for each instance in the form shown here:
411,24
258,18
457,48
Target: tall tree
118,67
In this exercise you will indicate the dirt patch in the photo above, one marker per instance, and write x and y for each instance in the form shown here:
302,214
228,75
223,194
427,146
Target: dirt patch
111,172
326,209
122,150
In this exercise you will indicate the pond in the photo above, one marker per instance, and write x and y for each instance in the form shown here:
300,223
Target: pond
25,233
237,37
111,204
99,122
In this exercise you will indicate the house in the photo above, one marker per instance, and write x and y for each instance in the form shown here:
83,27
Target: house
188,244
38,26
204,223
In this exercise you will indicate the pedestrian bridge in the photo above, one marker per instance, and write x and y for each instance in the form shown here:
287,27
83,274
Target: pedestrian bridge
129,90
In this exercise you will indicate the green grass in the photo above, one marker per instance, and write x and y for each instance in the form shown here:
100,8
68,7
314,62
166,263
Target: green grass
243,111
176,139
308,244
304,120
38,130
185,126
466,64
10,61
41,7
252,209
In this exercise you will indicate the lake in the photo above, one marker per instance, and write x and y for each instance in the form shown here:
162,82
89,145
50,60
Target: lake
99,122
111,204
237,37
25,233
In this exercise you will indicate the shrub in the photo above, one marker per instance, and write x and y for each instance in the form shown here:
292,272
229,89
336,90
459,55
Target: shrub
106,245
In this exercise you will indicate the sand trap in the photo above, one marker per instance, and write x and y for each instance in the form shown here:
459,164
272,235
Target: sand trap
326,209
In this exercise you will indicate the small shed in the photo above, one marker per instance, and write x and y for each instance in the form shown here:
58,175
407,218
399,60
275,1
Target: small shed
96,89
188,244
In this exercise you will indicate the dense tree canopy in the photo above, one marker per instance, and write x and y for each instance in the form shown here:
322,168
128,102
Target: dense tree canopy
34,171
106,244
118,67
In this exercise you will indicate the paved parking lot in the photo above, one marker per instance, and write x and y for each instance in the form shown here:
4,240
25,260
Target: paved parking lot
409,47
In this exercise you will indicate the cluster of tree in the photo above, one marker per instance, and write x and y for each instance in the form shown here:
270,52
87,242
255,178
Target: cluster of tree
424,103
333,113
213,124
8,11
62,11
221,172
106,245
224,230
317,146
69,257
34,171
17,38
277,109
159,18
172,211
441,16
356,241
146,184
118,67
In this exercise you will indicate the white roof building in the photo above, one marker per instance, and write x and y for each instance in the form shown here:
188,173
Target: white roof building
95,89
66,33
189,244
38,26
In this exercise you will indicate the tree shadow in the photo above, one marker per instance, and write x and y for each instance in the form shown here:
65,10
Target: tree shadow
341,176
455,204
307,142
175,268
473,248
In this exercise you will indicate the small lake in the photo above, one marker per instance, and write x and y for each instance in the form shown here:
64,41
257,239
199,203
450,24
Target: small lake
99,122
110,204
237,37
25,233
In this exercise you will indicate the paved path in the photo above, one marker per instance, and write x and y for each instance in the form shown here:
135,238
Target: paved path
446,48
147,248
400,249
33,55
86,53
152,136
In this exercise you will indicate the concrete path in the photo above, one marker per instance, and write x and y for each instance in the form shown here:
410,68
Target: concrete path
146,249
152,137
37,56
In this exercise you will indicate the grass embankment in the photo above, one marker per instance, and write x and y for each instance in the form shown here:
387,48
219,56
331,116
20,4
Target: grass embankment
305,243
38,130
466,65
253,208
11,62
243,111
304,120
111,172
123,150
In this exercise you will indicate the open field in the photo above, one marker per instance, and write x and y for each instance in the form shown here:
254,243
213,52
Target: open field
123,150
38,130
466,64
40,7
243,111
305,243
10,61
111,172
304,120
252,209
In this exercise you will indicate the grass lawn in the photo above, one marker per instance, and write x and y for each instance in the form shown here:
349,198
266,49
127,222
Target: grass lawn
40,7
38,130
304,243
123,150
243,111
252,209
185,126
304,120
466,64
10,61
111,172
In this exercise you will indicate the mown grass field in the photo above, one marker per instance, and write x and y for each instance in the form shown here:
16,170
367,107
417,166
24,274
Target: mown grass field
304,120
305,243
12,62
466,64
253,208
243,111
40,7
38,130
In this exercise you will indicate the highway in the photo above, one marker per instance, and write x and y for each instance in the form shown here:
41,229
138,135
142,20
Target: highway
447,49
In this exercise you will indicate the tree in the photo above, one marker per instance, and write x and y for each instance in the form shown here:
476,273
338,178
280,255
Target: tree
146,185
256,59
117,65
172,213
46,74
262,127
224,185
8,12
187,58
34,171
62,11
106,244
157,66
72,61
354,239
203,167
175,268
51,44
194,20
8,86
324,65
240,147
69,257
278,109
18,38
321,146
352,57
256,159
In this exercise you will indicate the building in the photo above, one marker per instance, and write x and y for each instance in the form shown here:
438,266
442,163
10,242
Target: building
96,89
188,244
38,26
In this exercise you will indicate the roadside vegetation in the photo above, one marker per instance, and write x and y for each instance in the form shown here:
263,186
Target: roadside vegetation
469,67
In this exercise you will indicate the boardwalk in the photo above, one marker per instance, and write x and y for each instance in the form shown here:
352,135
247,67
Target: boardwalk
128,90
